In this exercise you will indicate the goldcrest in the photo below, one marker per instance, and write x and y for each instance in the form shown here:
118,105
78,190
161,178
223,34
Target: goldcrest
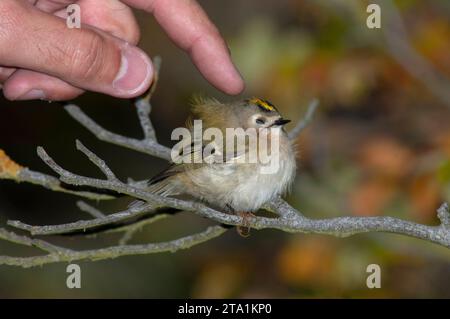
227,165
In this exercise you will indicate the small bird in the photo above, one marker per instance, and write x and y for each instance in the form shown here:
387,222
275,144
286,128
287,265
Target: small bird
236,178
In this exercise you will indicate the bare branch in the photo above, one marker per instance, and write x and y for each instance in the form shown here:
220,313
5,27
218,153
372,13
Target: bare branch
143,146
346,226
130,230
144,106
444,215
126,189
54,184
26,241
281,208
13,171
301,125
94,212
59,254
101,164
143,111
83,225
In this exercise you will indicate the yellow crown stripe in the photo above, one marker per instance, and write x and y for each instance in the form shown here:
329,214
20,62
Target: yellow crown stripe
263,104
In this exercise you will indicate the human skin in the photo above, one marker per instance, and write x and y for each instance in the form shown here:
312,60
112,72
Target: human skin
41,58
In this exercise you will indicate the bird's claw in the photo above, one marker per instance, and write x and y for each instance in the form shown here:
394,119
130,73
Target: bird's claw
244,228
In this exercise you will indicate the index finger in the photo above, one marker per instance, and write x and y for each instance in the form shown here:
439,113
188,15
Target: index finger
190,28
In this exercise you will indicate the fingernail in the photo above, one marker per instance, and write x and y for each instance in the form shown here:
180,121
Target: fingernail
32,95
135,72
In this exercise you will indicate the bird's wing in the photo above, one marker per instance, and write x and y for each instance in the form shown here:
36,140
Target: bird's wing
198,153
192,158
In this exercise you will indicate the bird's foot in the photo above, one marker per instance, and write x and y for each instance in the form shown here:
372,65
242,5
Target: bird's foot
244,229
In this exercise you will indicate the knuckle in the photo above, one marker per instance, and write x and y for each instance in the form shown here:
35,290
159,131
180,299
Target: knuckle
87,57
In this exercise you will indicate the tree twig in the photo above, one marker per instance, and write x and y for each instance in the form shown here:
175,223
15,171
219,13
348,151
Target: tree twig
144,106
130,230
60,254
84,225
101,164
94,212
102,134
303,123
13,171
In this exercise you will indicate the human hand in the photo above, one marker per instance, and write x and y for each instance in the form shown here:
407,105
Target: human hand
41,58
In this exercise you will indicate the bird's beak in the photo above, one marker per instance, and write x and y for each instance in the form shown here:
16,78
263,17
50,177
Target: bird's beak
280,122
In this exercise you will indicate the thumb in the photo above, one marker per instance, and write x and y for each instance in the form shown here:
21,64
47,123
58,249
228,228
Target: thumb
86,58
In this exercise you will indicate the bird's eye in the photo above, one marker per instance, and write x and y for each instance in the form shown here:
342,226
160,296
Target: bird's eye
260,121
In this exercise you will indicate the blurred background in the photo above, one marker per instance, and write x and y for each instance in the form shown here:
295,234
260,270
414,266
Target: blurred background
379,145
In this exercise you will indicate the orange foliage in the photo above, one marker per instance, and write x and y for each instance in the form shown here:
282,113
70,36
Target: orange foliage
442,142
425,196
385,156
8,168
430,41
370,197
219,279
306,261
